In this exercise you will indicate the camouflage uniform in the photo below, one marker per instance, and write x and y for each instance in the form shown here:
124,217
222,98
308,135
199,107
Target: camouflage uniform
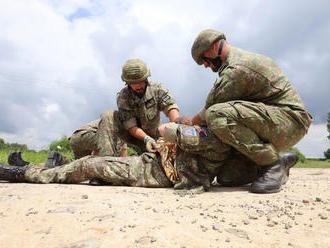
109,129
83,141
254,108
202,153
143,112
89,138
138,171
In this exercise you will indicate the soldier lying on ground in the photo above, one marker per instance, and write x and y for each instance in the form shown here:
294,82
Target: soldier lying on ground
195,161
85,141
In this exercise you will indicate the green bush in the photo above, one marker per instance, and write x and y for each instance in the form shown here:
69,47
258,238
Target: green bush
327,154
61,145
301,156
12,146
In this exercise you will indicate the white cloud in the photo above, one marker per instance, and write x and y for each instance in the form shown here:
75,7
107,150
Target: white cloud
50,109
315,143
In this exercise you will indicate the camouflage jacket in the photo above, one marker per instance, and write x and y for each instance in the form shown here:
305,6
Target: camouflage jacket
255,78
144,112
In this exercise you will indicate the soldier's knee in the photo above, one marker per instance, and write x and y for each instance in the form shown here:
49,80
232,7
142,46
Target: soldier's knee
107,114
219,115
219,110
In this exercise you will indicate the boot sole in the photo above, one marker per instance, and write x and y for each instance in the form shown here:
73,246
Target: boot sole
265,191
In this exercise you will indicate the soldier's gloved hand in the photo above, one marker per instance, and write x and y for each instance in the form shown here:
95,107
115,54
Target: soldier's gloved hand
151,144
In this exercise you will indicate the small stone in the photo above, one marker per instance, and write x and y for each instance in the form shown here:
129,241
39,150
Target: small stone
227,240
204,229
270,224
153,240
305,201
216,227
287,225
246,222
323,217
253,217
318,199
84,197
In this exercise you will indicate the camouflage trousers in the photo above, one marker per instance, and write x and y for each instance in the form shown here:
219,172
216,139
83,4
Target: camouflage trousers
138,171
83,141
202,157
108,141
98,135
256,130
110,130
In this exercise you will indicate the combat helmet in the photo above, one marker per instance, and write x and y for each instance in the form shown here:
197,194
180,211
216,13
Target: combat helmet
135,71
203,42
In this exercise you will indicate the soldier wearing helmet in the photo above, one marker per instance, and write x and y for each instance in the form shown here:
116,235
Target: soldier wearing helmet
252,107
139,106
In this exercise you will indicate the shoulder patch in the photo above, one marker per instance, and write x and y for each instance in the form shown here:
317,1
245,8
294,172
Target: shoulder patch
189,131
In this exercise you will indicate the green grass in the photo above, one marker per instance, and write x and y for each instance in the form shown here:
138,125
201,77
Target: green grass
41,157
30,156
314,163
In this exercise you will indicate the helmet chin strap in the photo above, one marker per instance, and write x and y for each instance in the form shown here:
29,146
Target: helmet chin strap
217,61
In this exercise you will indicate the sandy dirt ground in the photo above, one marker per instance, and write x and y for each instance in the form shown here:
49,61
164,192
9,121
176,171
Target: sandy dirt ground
83,216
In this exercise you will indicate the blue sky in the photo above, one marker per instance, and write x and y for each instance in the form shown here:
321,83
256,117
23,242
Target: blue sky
60,60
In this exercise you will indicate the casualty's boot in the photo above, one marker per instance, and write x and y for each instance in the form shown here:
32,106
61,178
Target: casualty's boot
13,174
15,159
55,159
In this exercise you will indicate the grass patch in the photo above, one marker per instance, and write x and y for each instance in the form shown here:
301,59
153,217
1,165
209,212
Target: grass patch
314,163
30,156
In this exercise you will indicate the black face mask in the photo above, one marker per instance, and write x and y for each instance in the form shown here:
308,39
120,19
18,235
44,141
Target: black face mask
217,60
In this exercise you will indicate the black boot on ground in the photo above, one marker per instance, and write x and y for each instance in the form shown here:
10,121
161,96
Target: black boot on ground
272,177
54,159
15,159
13,174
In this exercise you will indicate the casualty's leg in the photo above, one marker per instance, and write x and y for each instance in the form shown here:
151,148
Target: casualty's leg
139,171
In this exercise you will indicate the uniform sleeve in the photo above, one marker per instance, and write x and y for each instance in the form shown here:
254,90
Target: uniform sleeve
166,101
125,112
202,114
232,84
